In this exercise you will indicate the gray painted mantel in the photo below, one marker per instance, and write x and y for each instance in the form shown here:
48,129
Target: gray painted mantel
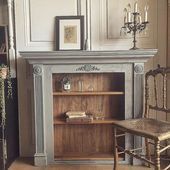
129,62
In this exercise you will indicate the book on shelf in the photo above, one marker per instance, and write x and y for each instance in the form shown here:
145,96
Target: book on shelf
86,119
72,114
78,117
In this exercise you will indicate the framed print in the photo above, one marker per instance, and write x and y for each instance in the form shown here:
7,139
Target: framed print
69,32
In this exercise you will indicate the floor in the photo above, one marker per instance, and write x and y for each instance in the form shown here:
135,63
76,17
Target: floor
25,164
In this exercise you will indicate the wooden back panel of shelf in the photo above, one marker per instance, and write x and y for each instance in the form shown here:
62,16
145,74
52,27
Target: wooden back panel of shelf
97,82
101,100
83,139
107,98
107,106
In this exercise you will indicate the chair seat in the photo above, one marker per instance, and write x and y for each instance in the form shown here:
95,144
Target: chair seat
146,127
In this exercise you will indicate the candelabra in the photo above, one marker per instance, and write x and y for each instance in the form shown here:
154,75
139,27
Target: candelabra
133,22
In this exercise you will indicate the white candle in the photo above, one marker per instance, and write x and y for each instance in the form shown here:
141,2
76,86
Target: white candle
136,7
146,13
140,19
129,16
125,15
129,8
146,16
129,13
125,19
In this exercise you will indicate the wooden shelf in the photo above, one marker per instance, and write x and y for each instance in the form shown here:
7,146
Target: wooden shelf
84,156
95,93
105,121
87,93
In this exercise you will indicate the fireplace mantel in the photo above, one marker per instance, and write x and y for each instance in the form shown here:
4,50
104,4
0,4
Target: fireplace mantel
67,57
45,64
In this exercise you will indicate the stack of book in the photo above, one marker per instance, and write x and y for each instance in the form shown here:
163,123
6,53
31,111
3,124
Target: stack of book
78,117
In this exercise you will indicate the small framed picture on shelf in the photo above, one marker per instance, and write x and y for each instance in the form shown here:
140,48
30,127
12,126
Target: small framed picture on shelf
69,32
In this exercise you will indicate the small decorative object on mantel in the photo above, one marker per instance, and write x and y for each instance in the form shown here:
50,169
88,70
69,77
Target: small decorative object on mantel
133,22
69,32
66,84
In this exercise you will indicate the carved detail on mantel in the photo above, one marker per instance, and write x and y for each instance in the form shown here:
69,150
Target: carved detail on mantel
37,70
88,68
139,69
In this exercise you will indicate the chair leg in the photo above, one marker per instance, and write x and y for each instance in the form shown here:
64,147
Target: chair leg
148,152
115,149
157,155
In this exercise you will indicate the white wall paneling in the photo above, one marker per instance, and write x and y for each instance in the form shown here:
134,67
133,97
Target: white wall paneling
12,53
103,21
110,17
36,20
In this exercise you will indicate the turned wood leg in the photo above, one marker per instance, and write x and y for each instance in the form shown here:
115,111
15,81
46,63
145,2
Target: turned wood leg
148,152
115,149
157,155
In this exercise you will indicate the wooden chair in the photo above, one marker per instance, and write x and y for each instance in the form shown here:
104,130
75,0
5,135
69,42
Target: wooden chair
154,131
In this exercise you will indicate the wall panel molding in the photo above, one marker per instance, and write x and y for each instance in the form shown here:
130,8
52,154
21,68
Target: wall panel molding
39,28
109,15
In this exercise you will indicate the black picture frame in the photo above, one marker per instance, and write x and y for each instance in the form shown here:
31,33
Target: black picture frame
69,32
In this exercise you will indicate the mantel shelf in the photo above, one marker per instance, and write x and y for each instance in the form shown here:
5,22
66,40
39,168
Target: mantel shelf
88,57
87,93
63,122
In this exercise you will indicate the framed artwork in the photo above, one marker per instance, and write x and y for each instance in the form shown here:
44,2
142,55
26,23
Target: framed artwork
69,32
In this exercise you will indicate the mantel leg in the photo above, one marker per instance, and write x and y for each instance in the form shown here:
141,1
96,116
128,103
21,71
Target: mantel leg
40,158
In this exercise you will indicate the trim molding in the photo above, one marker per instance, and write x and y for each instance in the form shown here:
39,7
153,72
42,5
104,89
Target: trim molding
10,4
28,26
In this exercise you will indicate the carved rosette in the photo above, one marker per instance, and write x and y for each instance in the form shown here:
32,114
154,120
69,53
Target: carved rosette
139,69
37,70
88,68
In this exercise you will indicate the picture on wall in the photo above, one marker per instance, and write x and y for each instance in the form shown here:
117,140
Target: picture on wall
69,32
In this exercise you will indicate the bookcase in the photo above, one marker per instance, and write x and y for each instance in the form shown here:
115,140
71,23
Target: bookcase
107,84
99,94
3,44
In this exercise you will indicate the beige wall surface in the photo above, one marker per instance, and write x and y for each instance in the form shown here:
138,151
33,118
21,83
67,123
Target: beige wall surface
3,12
35,32
168,56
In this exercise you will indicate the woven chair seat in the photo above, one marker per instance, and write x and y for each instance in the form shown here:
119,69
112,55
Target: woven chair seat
146,127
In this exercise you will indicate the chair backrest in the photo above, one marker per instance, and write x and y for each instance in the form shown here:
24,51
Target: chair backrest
156,92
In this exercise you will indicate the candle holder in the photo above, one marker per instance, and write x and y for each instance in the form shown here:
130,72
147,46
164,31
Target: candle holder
134,26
